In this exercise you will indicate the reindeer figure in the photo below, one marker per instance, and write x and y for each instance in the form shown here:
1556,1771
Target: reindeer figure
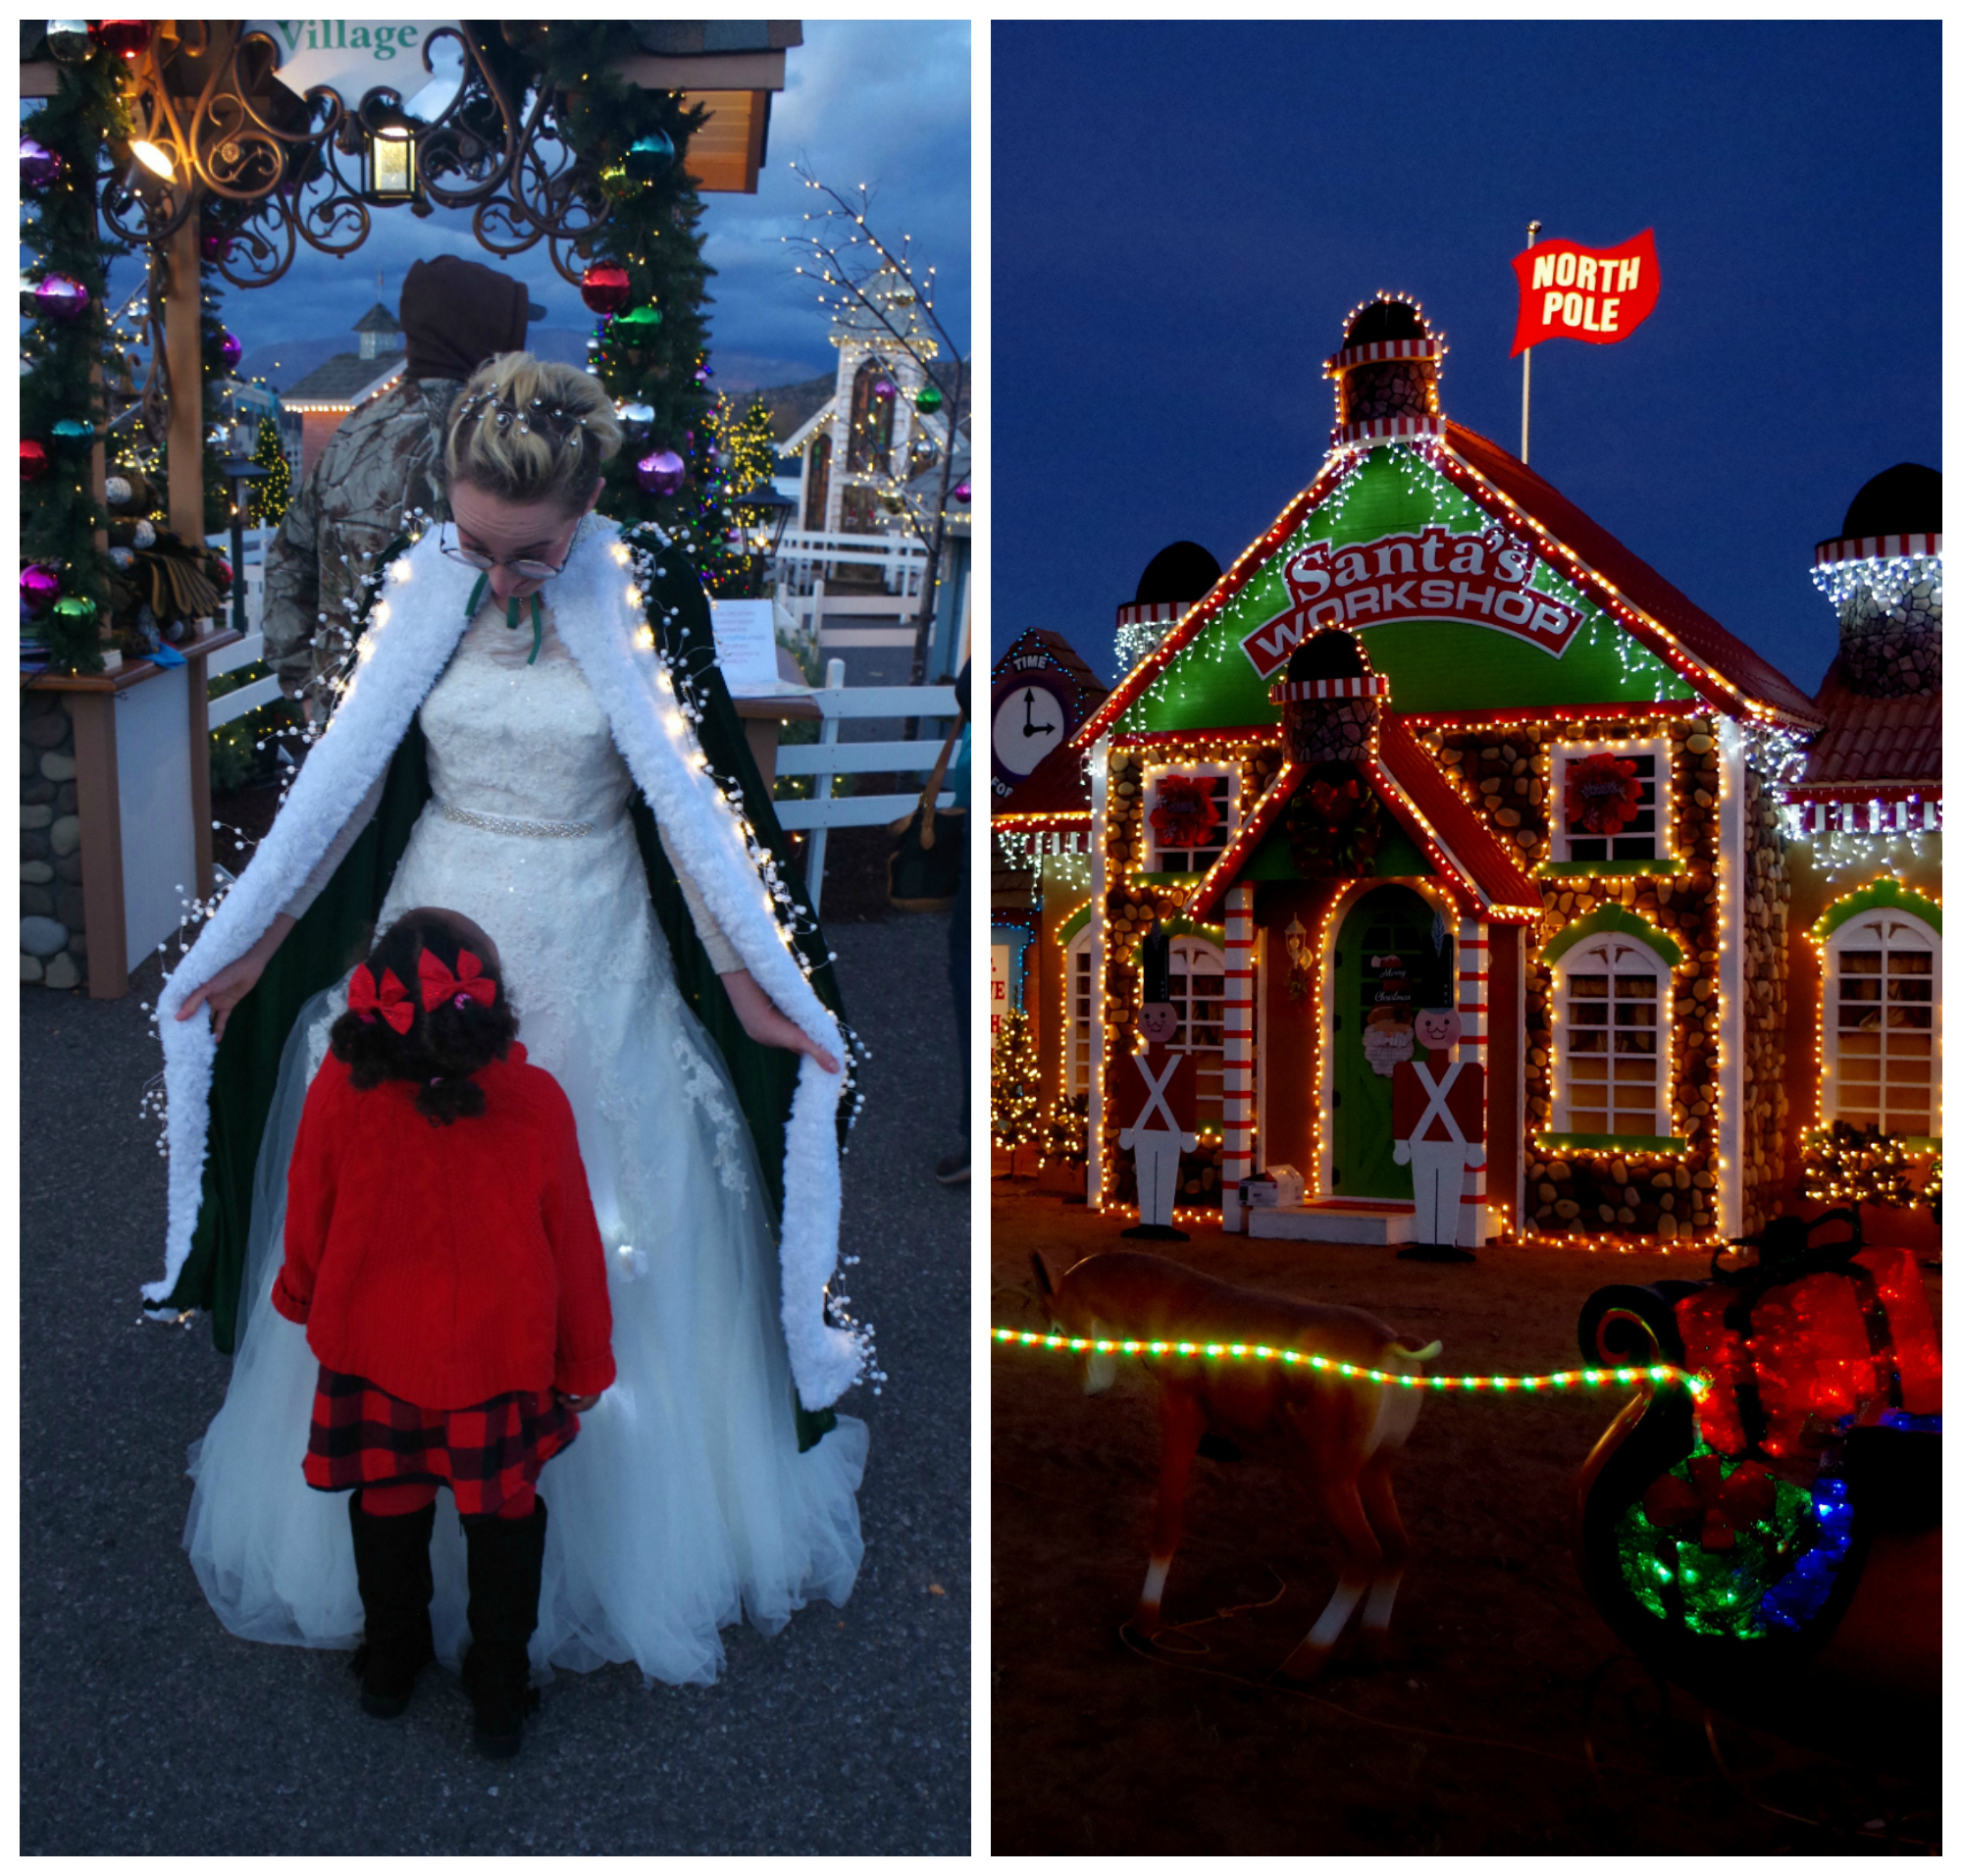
1338,1436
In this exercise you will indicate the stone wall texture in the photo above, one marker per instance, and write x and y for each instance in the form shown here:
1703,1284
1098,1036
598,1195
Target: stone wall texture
54,949
1395,388
1892,651
1767,967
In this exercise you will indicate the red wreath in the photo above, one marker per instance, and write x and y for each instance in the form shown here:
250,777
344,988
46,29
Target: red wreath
1186,812
1603,794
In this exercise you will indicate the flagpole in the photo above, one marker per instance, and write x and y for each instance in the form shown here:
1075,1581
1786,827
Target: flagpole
1527,376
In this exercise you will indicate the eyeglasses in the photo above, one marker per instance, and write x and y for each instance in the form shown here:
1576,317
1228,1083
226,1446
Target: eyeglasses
484,563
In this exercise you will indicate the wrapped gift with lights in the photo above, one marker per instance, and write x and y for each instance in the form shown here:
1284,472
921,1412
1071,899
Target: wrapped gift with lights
1812,1336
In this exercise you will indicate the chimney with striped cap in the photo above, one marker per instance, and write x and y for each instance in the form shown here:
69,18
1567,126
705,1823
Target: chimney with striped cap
1386,374
1329,700
1884,575
1176,580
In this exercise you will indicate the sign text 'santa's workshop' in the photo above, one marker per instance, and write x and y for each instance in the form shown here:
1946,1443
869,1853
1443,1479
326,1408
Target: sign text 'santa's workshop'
1479,578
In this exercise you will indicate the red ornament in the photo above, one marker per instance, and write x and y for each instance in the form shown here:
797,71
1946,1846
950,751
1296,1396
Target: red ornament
34,460
605,287
1603,794
122,38
1186,812
1334,802
1717,1506
221,571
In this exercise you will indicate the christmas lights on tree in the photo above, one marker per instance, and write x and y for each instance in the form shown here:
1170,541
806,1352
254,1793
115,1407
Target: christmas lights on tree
1014,1083
268,498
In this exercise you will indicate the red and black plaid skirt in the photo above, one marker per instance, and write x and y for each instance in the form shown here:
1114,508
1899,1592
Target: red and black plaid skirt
362,1435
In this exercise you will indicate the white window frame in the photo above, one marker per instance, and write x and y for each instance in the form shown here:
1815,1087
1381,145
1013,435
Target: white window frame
1882,929
1209,1063
1566,753
1077,1058
1608,954
1229,823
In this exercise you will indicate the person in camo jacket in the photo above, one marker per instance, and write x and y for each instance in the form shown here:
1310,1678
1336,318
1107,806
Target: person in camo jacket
382,463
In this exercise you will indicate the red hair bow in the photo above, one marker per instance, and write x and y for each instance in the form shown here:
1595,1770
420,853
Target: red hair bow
390,1003
466,982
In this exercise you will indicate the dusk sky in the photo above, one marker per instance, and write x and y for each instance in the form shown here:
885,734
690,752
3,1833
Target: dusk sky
882,102
1185,215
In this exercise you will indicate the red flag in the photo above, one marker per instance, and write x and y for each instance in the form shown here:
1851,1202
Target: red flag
1596,294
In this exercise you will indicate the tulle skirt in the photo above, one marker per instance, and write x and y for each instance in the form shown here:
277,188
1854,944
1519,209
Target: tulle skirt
684,1506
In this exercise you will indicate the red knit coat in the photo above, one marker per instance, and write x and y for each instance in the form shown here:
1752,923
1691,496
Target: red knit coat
447,1263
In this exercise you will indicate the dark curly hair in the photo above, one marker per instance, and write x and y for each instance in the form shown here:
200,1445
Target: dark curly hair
443,1048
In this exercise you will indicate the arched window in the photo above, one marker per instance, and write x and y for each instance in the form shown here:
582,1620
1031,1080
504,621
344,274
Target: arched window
872,446
1198,993
1881,1016
816,481
1611,1040
1078,984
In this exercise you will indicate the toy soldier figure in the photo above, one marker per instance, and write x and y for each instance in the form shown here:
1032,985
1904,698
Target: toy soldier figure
383,462
1154,1095
1437,1118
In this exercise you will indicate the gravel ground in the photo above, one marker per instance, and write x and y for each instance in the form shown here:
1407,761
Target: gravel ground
146,1729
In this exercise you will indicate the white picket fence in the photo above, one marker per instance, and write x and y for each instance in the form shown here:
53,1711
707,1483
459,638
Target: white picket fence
934,705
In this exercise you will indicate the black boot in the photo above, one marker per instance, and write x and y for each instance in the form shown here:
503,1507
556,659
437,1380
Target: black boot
506,1560
392,1564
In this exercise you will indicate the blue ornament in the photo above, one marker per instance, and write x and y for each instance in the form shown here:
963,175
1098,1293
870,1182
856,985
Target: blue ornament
70,427
650,158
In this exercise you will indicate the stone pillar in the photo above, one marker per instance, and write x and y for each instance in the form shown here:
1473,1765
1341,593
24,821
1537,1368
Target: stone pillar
54,945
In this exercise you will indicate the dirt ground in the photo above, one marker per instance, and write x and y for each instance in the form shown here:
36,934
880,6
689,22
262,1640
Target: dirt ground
1476,1743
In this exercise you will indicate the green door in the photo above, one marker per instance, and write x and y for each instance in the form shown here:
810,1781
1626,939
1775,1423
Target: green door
1383,958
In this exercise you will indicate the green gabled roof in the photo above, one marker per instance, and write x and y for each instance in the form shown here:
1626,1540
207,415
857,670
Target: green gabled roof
1639,641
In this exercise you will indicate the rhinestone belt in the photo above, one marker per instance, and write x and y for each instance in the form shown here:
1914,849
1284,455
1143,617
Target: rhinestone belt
505,824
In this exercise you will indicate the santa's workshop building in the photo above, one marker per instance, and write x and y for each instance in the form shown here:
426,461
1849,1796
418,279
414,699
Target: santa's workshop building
1438,738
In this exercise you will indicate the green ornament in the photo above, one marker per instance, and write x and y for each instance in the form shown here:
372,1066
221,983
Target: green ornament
76,609
928,399
642,319
616,183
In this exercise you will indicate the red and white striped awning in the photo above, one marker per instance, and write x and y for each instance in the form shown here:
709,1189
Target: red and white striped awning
1386,430
1319,687
1381,351
1153,612
1876,547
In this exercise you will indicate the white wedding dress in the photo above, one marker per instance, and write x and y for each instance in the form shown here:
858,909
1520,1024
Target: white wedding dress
684,1504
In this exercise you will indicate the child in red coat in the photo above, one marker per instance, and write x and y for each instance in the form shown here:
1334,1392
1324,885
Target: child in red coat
442,1252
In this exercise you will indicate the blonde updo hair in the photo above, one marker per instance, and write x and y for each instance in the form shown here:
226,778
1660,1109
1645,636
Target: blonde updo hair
526,430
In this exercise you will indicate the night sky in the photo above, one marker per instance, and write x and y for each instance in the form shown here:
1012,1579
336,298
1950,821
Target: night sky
1185,215
882,102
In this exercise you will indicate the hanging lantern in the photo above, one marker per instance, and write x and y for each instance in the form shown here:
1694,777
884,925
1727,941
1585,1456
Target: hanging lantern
123,38
884,388
650,158
68,40
928,399
605,287
39,165
964,491
634,419
38,587
662,473
60,298
33,459
388,153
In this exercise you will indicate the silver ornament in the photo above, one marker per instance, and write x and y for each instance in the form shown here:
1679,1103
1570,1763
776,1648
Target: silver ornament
116,491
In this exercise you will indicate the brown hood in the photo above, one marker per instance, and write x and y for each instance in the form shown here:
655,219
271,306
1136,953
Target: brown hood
458,313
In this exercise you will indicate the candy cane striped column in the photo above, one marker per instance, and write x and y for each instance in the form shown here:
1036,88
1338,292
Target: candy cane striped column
1239,1028
1473,982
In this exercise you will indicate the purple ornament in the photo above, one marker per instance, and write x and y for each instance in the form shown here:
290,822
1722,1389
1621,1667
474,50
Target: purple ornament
963,491
61,298
40,165
885,387
703,372
228,349
215,245
662,473
38,587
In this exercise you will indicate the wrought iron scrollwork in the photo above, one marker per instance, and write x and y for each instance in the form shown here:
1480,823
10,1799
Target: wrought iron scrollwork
266,167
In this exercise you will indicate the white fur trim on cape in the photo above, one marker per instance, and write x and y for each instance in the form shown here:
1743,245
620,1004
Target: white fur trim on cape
404,653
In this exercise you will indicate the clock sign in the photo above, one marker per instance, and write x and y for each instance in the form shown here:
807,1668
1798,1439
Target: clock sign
1035,710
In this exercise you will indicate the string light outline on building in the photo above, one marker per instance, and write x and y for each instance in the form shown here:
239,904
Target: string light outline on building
1661,1374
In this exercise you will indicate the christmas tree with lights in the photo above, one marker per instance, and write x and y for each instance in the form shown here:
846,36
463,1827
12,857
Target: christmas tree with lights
272,492
1014,1083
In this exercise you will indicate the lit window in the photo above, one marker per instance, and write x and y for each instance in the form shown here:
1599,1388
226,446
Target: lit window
1077,982
1882,1024
1199,994
1611,1038
1611,803
1166,857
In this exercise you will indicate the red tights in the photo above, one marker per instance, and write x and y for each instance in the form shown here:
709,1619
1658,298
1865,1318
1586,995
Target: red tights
412,1494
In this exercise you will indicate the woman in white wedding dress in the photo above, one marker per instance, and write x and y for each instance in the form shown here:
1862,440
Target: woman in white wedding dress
685,1502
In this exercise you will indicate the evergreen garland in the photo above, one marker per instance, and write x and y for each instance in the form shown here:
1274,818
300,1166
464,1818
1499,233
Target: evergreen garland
59,513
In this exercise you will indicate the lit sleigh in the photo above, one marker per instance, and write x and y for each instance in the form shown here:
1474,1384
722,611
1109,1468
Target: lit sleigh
1774,1545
